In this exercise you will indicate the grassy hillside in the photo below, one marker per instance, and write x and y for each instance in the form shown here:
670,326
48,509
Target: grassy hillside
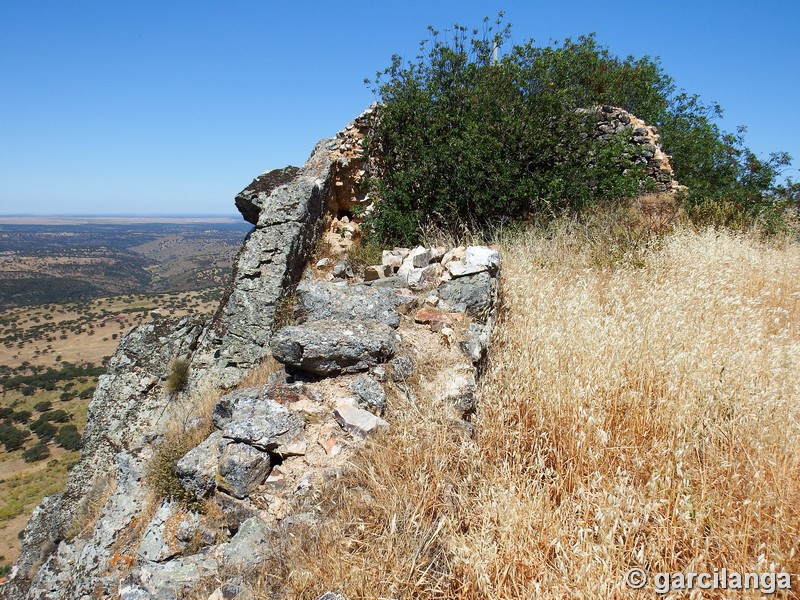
639,410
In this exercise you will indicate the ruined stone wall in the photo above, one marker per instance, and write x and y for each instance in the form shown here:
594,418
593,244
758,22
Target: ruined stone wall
611,121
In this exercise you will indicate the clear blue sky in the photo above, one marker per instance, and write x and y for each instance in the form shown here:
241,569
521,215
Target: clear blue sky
109,106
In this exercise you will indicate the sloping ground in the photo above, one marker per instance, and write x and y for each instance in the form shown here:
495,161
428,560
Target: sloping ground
631,417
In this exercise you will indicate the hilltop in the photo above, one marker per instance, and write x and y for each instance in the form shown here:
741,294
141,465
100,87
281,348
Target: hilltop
496,338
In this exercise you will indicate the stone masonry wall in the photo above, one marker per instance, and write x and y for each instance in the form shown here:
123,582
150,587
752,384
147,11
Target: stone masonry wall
611,121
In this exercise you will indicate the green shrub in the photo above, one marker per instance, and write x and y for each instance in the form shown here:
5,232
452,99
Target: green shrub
460,139
178,377
37,452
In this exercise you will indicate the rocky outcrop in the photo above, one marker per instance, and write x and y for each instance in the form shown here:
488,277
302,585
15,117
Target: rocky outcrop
287,207
72,546
128,408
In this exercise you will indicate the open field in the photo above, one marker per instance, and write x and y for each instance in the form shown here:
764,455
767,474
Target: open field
640,410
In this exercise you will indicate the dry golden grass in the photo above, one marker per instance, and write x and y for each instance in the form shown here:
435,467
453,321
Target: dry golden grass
639,417
642,414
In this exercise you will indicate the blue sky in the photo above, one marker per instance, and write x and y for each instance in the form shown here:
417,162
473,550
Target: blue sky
173,107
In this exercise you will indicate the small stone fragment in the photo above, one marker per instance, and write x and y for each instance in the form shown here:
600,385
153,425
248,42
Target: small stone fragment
357,421
454,254
392,259
420,257
342,270
329,441
233,589
402,368
426,277
458,268
428,316
377,272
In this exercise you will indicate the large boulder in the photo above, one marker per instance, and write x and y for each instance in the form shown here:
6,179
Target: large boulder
333,301
332,347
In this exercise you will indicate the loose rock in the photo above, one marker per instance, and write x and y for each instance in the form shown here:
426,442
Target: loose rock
370,393
357,421
197,470
242,468
472,294
321,301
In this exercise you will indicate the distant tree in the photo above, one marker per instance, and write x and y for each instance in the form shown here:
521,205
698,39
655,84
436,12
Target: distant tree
55,416
68,437
43,406
11,437
22,416
37,452
43,429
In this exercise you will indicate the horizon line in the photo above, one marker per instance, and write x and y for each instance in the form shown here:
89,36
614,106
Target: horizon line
124,214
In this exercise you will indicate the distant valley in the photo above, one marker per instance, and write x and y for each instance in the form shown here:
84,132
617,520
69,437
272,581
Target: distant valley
66,260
